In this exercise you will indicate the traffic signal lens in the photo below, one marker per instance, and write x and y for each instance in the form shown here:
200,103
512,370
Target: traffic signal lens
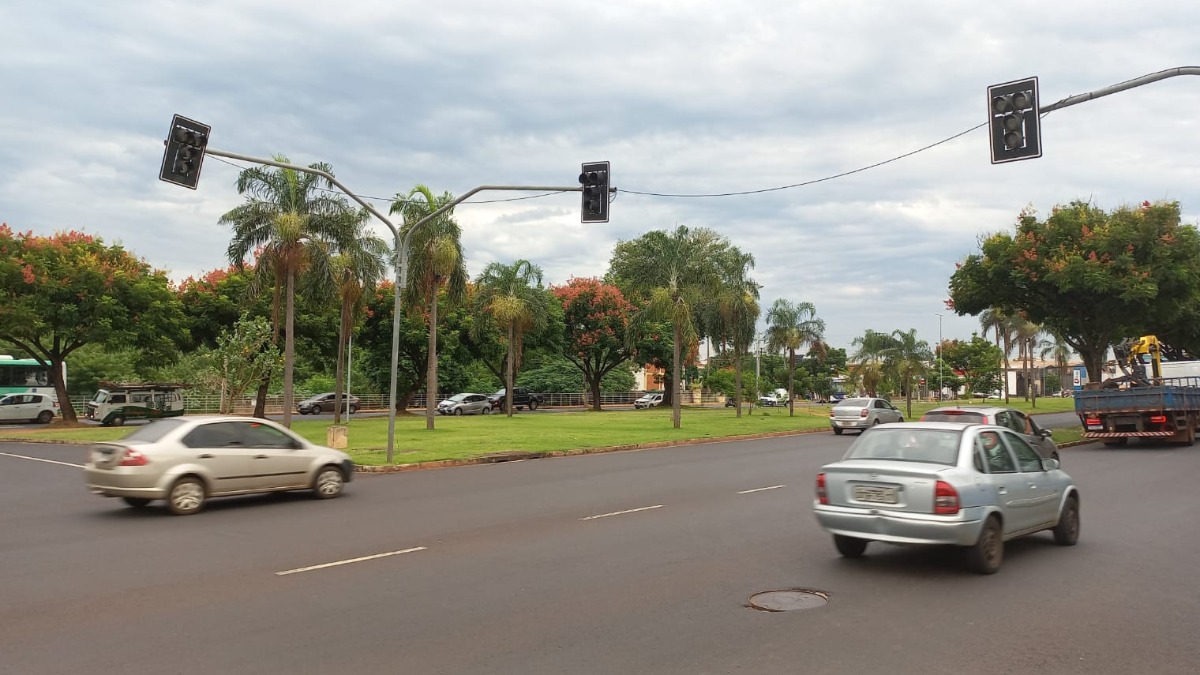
1020,100
1001,105
1012,122
1013,140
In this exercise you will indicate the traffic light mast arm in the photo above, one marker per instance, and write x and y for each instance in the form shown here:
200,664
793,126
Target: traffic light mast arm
1128,84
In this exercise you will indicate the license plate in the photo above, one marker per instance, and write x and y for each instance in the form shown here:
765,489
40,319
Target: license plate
1096,427
875,494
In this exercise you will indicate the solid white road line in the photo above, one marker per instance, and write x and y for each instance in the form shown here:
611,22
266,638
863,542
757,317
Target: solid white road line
352,560
621,513
773,487
39,459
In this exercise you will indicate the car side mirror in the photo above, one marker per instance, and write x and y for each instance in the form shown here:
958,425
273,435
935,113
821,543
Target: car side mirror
1045,433
1049,464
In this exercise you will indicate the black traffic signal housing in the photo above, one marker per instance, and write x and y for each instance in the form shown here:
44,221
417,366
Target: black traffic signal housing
594,178
184,153
1014,123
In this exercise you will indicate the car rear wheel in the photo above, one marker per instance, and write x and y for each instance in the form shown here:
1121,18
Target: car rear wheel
187,496
850,547
329,483
1066,533
987,553
837,431
44,417
316,409
136,502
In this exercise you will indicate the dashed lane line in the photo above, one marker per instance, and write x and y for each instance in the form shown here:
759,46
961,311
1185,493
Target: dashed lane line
351,560
39,459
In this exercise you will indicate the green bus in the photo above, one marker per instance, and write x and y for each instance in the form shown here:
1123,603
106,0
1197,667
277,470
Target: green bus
26,376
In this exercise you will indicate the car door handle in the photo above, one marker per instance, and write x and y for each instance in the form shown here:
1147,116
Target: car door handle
260,457
1002,490
206,456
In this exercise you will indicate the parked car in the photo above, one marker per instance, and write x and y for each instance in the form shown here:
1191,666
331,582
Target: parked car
1016,420
648,401
38,408
465,404
939,483
187,460
522,398
324,402
772,400
862,413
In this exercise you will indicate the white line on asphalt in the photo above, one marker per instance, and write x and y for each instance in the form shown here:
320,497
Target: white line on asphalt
773,487
621,513
39,459
352,560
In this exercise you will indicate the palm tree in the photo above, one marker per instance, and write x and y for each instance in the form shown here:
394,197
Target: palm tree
868,360
356,269
907,358
435,261
792,326
999,322
291,224
513,295
1058,350
737,311
672,272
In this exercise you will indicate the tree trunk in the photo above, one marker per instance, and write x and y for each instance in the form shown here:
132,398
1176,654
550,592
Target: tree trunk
791,382
594,387
676,375
431,382
508,371
60,390
339,371
737,384
289,349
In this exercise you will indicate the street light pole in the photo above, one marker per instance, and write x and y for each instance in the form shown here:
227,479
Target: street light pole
941,388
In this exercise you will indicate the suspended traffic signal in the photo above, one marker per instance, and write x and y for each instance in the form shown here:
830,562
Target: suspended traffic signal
594,179
184,153
1013,121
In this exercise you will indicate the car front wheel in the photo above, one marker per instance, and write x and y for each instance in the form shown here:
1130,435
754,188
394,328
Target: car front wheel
533,405
186,497
458,411
988,552
329,483
1066,533
353,409
316,410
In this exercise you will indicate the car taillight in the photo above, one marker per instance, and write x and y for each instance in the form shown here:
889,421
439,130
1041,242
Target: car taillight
863,413
132,457
822,495
1092,421
945,499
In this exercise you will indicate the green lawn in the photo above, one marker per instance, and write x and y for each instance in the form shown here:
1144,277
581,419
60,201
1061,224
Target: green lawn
469,437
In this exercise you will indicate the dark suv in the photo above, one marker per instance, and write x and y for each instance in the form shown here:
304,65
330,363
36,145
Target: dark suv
522,398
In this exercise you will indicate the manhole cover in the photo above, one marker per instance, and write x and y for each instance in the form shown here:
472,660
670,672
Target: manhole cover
786,601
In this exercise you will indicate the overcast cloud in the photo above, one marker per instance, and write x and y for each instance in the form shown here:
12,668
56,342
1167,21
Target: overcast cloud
691,97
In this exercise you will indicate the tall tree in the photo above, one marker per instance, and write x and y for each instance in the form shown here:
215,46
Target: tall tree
291,225
514,296
737,312
70,289
868,360
595,325
1056,349
908,359
1000,323
1092,277
790,327
670,272
357,268
435,262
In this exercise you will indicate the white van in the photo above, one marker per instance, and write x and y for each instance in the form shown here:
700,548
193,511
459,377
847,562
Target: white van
115,403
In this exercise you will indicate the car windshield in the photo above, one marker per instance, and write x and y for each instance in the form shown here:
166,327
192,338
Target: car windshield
966,416
149,433
458,397
939,446
854,403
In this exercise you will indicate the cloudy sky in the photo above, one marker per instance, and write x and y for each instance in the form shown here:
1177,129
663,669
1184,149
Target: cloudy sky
683,98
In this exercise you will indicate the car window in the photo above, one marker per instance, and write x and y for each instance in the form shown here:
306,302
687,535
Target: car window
854,403
259,435
215,435
1028,460
1021,423
995,456
939,446
964,416
154,431
116,398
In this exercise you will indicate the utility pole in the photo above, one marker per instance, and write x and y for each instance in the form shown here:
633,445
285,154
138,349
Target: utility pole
941,389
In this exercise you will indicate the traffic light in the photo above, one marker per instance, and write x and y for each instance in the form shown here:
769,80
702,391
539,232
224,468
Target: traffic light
1015,127
594,179
184,153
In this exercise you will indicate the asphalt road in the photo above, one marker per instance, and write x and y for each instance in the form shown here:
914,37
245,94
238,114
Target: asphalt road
636,562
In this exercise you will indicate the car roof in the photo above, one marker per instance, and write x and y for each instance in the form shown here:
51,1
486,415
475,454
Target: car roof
945,426
985,409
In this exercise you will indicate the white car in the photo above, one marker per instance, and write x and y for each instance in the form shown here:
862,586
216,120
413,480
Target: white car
648,401
28,408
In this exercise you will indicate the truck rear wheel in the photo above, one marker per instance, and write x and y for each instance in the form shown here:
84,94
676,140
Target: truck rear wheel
1116,442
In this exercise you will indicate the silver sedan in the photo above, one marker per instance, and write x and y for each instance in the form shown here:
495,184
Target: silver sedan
939,483
186,460
862,413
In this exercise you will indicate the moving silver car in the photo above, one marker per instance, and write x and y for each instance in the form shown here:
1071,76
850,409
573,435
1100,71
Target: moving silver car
862,413
465,404
1012,418
186,460
974,486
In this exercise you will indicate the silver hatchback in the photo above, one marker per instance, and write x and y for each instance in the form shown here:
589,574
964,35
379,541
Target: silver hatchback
862,413
1014,419
186,460
942,483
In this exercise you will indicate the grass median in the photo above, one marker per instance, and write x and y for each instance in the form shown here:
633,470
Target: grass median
472,437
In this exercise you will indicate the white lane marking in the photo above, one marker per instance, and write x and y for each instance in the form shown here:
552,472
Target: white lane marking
39,459
773,487
621,513
351,560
